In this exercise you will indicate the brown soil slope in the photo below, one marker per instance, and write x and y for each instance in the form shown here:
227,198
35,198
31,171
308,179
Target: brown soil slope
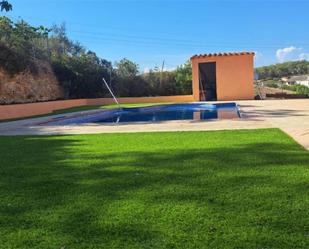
270,90
26,87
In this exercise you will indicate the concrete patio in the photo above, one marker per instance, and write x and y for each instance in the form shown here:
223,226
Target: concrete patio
291,116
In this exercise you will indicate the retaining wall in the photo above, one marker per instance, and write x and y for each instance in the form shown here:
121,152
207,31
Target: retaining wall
33,109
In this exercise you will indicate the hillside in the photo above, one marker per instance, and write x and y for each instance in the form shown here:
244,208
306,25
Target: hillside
78,70
283,69
27,86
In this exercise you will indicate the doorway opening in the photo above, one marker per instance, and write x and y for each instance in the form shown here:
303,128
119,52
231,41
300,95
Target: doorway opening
208,81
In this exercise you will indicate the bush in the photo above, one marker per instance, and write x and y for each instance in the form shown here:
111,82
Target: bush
81,76
79,71
300,89
272,84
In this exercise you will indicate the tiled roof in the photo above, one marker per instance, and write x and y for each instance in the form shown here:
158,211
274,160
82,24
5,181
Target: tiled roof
220,54
299,78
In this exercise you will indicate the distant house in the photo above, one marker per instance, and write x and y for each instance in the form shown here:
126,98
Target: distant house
299,80
285,80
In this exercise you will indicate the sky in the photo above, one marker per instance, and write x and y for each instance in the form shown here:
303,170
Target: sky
152,31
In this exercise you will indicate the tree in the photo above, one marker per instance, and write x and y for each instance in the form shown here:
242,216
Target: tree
81,76
183,78
5,5
79,70
126,68
283,69
19,42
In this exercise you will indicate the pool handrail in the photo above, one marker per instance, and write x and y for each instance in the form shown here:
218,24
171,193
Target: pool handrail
111,92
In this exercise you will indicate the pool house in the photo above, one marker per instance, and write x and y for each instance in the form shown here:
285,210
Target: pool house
223,76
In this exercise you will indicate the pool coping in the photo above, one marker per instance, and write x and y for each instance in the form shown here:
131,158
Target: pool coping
52,120
291,116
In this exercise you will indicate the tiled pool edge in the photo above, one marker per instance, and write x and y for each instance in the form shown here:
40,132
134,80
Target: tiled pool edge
151,114
291,116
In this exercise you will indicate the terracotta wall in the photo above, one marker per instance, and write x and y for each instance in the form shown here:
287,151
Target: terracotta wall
32,109
129,100
234,73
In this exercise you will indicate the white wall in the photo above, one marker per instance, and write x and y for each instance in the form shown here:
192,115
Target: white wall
303,82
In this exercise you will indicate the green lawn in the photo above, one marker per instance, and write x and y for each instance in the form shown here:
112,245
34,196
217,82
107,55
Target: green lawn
228,189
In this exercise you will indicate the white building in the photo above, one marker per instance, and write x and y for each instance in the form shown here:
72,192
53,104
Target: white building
299,80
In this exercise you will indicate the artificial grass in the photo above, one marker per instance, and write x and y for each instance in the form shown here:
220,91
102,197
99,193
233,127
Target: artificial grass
224,189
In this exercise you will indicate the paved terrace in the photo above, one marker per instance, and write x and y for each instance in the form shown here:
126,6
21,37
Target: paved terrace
291,116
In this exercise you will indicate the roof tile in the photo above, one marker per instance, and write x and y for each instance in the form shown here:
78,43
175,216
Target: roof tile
220,54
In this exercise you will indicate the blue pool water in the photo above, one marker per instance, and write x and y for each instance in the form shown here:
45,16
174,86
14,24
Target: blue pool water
158,113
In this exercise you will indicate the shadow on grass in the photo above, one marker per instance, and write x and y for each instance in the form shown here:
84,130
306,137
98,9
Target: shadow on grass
59,191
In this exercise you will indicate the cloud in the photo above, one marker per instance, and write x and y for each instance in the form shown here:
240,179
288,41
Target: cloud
303,56
288,53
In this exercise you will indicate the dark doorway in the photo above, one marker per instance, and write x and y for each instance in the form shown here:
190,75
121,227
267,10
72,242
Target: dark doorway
208,84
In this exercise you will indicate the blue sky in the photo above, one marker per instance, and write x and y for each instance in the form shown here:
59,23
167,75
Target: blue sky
151,31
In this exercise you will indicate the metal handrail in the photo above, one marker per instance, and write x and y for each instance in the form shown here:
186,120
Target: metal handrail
111,92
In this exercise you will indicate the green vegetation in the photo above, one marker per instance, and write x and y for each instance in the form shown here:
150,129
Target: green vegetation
5,6
227,189
19,44
272,83
283,69
80,71
300,89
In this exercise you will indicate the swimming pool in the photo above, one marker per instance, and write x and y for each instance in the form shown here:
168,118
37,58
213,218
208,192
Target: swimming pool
156,113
